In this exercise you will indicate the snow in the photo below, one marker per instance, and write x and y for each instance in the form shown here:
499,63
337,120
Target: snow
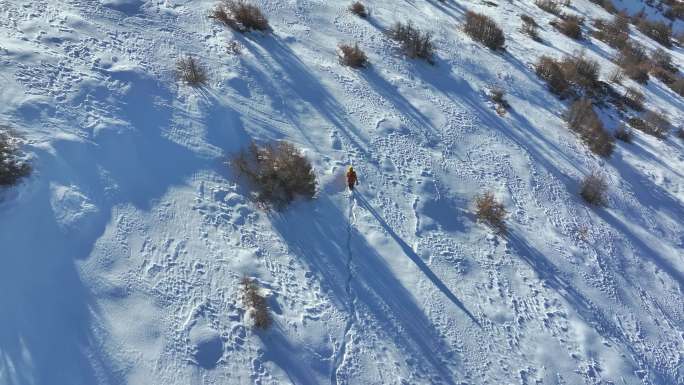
123,252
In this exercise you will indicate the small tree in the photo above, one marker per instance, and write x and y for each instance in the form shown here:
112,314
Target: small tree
483,28
256,304
490,211
593,189
278,172
240,16
352,56
191,72
12,167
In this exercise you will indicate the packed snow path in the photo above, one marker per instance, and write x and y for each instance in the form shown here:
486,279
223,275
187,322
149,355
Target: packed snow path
122,254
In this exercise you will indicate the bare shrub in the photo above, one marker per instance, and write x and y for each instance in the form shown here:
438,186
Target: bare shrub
498,96
529,27
634,61
12,167
490,211
615,33
483,28
606,4
582,119
570,26
549,6
678,86
581,71
352,56
624,134
550,71
634,99
676,11
680,133
616,76
191,71
663,75
240,16
653,124
656,30
358,9
278,173
663,59
593,189
256,304
414,43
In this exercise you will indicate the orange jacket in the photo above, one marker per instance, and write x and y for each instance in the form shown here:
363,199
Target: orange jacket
351,177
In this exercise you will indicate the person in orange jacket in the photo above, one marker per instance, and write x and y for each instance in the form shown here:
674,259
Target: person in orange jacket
352,180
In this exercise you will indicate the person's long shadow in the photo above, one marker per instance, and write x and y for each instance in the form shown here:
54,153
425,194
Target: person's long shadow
587,311
321,236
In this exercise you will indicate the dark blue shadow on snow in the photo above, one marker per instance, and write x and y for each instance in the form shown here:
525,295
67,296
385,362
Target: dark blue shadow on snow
321,236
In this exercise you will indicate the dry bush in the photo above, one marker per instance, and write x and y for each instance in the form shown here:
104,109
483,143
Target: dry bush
490,211
278,173
663,59
483,28
529,27
498,96
414,43
191,71
607,5
550,71
624,134
352,56
234,48
582,119
616,76
240,16
256,303
549,6
358,9
615,33
652,124
593,189
570,26
656,30
663,75
634,99
676,11
12,167
634,61
678,86
581,71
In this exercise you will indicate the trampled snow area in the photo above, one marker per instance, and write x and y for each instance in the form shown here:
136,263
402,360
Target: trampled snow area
121,256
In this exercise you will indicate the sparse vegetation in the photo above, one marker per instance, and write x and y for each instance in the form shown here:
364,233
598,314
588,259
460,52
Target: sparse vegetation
680,133
616,76
656,30
582,119
624,134
529,27
12,167
490,211
414,42
678,86
606,4
240,16
351,56
593,189
550,71
653,124
191,71
634,62
615,33
549,6
634,99
278,172
358,9
498,97
570,26
483,28
577,70
676,11
256,304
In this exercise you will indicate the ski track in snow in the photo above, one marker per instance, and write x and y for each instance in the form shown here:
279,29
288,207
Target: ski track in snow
126,247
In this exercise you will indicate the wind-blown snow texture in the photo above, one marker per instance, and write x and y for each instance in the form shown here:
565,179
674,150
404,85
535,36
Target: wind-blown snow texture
122,254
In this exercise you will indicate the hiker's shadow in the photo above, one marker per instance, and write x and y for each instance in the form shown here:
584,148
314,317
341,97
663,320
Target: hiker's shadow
323,239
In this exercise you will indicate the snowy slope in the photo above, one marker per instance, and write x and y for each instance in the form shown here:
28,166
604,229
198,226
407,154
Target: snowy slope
122,253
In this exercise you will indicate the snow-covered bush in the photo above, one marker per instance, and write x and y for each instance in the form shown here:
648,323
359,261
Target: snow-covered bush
12,168
490,211
256,304
278,172
653,123
498,96
582,119
549,6
634,99
414,42
529,27
678,86
240,16
191,71
570,26
593,189
483,28
358,9
352,56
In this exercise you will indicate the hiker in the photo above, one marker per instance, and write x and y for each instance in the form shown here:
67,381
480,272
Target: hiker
351,178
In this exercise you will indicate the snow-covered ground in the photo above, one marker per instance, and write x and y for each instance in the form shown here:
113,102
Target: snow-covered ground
121,255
